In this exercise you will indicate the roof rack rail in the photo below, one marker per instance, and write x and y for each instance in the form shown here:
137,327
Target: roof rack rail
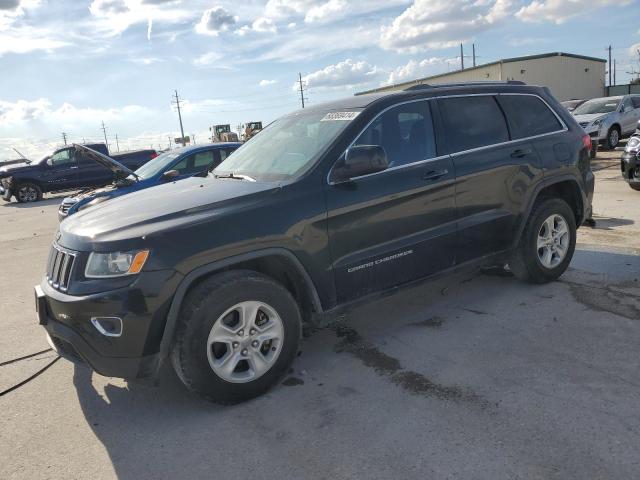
423,86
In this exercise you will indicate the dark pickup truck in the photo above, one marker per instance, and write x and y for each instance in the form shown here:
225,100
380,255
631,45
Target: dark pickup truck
66,169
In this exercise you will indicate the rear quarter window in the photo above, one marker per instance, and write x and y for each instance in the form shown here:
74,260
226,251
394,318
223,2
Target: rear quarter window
528,116
473,122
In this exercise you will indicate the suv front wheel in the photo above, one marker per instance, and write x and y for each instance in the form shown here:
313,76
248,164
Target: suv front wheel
547,243
238,334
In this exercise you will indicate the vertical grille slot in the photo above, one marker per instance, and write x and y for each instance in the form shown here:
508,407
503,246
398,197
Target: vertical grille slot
59,268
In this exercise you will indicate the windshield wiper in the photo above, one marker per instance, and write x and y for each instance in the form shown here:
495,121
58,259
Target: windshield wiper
235,176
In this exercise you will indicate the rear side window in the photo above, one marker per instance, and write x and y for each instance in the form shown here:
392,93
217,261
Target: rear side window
473,122
405,132
528,116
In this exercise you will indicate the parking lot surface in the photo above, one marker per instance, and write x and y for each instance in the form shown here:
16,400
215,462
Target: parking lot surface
474,375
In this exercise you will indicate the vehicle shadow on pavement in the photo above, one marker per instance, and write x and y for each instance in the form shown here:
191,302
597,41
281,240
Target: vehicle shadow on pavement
609,223
489,363
42,203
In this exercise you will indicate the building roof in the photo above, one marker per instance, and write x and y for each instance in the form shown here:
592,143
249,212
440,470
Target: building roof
504,60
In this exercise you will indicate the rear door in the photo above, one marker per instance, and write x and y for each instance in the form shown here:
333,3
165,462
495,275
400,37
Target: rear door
91,173
628,116
397,225
493,173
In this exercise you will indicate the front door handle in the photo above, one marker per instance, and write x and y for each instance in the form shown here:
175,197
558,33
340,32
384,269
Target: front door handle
521,153
434,174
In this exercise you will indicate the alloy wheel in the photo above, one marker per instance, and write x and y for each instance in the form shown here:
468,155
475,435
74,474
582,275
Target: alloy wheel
245,342
553,241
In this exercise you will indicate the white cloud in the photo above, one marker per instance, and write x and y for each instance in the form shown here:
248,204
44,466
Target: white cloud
559,11
345,74
326,11
266,83
429,24
264,24
215,20
414,69
27,39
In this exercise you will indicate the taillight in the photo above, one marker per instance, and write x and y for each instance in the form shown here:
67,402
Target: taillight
586,142
155,154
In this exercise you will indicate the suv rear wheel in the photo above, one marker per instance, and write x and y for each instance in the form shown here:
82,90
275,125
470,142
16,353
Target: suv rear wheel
238,335
28,192
547,243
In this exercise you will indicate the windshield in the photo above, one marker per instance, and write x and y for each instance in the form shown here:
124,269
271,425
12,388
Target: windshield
287,147
156,165
600,105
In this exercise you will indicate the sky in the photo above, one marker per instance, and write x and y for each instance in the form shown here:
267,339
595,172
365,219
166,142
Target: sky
69,65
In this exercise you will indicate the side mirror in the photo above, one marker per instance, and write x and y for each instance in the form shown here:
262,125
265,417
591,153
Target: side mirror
170,175
50,162
358,161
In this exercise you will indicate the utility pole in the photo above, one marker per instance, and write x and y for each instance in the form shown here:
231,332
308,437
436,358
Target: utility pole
169,142
193,135
609,65
301,89
474,54
461,57
177,102
64,137
614,72
104,131
117,143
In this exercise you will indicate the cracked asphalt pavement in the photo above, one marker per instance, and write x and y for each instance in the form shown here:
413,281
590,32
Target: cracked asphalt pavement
474,375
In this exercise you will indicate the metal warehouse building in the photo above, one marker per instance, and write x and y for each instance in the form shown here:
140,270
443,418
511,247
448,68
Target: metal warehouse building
568,76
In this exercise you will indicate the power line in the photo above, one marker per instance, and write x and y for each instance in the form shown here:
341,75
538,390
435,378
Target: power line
177,103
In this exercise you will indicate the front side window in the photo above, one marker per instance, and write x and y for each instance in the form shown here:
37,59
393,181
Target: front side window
288,147
202,160
626,104
528,116
405,132
63,157
157,165
473,122
636,101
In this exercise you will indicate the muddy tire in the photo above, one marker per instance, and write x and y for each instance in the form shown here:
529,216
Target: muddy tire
28,193
238,334
547,244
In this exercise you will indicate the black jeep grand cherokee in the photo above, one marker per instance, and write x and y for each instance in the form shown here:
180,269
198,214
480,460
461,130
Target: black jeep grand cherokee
325,206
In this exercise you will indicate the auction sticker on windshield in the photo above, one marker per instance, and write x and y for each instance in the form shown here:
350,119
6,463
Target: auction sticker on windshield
340,116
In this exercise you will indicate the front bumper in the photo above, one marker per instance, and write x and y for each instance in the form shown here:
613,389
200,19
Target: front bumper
630,167
67,320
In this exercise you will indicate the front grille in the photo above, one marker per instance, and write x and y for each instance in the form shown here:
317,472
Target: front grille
59,268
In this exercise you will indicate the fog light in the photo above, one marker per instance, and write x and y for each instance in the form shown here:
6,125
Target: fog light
108,326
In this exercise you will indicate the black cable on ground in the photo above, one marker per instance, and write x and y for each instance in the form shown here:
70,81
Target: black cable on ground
23,358
24,382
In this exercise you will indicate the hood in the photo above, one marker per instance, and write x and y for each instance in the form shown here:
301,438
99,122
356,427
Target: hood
116,167
591,117
14,167
154,210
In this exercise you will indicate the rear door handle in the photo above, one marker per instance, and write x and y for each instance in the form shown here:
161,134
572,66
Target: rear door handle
434,174
521,153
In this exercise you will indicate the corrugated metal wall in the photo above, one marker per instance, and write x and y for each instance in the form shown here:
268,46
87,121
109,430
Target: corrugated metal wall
567,77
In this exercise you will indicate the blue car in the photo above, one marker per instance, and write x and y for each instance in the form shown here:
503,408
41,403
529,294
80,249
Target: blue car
173,165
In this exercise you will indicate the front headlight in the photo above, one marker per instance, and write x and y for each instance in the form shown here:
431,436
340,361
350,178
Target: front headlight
598,122
115,264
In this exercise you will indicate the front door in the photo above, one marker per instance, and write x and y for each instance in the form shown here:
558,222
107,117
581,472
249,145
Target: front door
398,225
62,171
